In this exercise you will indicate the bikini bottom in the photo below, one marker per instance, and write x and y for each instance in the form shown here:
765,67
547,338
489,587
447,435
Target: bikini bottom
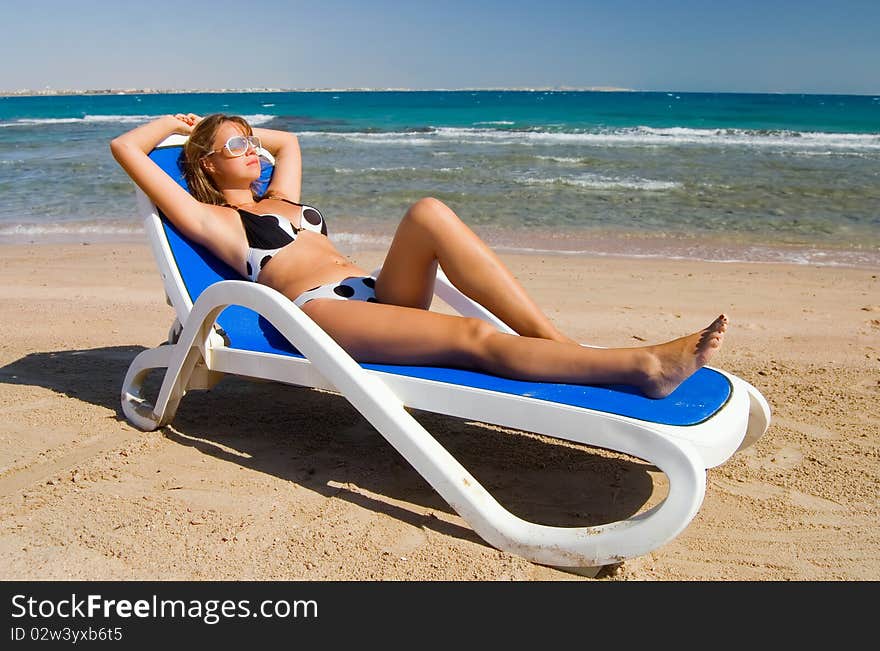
353,288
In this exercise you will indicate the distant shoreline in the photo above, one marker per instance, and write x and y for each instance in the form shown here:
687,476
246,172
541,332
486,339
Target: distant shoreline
549,89
555,89
177,91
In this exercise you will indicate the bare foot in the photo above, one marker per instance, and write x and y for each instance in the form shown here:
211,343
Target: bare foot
675,361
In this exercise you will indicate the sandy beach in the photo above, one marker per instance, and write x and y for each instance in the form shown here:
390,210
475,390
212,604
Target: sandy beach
256,481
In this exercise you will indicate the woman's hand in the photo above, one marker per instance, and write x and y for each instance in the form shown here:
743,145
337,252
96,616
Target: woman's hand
188,121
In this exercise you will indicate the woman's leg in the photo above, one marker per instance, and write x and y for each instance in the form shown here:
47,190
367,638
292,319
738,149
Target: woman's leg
379,333
431,232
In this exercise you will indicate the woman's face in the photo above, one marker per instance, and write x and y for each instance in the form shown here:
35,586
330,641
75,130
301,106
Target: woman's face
231,171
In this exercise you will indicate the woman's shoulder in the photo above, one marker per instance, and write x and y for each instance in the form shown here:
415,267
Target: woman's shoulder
222,216
279,196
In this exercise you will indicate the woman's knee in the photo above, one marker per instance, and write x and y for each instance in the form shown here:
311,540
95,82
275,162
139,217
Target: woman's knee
476,336
429,212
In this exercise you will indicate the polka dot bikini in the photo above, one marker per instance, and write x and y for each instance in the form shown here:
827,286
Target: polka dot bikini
353,288
267,234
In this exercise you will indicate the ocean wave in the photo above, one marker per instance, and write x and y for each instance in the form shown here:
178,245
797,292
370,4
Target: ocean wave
28,122
761,137
562,159
651,136
641,136
114,230
73,228
840,153
349,170
256,119
626,248
396,138
742,255
259,118
598,182
354,239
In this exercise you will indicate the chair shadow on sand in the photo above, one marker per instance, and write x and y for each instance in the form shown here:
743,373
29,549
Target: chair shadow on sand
318,440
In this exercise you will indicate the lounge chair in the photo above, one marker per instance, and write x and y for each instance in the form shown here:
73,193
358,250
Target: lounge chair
226,325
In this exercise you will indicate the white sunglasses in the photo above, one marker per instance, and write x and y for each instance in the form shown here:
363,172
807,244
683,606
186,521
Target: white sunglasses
238,145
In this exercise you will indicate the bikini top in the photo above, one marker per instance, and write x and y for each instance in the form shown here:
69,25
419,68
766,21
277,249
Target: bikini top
268,234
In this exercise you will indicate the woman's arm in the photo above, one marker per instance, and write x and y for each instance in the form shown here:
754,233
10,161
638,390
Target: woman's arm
287,178
130,151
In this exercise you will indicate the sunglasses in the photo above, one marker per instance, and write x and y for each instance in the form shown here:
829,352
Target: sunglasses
238,145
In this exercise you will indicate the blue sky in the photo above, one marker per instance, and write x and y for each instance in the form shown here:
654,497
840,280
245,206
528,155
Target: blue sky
739,46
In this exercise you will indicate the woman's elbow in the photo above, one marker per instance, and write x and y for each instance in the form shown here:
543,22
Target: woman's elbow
291,140
117,146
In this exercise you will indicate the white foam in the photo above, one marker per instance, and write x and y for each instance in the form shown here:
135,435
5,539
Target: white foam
60,229
118,118
807,153
561,159
386,138
349,170
748,254
747,138
626,137
258,119
73,228
75,231
25,122
598,182
359,239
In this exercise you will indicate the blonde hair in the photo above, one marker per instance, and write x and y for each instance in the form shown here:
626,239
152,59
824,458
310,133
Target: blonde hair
201,144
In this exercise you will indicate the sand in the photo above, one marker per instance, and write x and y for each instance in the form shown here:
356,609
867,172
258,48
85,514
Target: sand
256,481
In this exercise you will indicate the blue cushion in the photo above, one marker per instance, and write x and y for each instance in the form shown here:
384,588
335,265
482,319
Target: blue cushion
694,401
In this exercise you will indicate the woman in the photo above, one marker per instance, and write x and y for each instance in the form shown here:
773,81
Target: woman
275,240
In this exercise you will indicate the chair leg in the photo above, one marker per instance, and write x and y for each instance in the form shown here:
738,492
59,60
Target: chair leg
759,416
174,331
136,408
180,366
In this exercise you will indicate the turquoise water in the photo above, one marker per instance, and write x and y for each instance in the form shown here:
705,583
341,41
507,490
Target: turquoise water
712,176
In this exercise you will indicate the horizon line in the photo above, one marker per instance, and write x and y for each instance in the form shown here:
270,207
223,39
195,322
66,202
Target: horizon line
601,89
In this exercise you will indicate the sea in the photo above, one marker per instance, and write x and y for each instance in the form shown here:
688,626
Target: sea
710,176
